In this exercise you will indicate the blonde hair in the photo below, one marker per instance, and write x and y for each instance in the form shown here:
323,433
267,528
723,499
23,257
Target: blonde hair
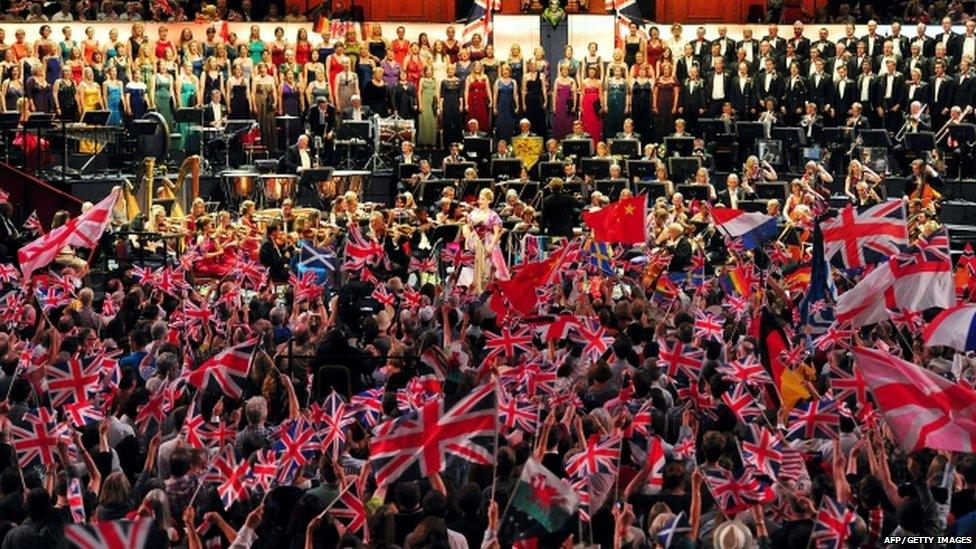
486,194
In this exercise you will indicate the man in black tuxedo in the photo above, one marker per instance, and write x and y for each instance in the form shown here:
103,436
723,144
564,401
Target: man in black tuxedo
700,45
742,94
214,112
917,61
888,88
776,42
684,63
801,44
951,40
874,41
769,83
356,111
734,192
297,157
898,40
558,211
275,254
628,131
820,85
749,45
965,85
942,89
719,83
693,101
319,121
915,89
823,44
923,40
794,96
726,46
842,97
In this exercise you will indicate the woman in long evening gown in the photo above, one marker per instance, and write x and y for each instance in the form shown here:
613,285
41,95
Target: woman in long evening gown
376,95
112,90
290,104
617,101
237,94
427,104
564,103
163,95
666,91
264,105
477,100
187,84
90,99
506,101
534,98
642,103
482,234
591,104
451,107
346,85
633,43
655,47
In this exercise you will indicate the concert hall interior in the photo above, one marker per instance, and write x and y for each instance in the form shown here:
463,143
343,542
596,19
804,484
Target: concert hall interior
491,273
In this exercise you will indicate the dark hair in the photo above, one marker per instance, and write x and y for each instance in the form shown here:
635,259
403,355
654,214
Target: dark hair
179,462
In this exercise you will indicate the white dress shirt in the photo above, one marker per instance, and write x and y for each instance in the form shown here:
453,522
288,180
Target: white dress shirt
718,86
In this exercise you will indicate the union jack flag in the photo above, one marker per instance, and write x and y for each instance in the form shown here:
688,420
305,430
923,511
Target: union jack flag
595,337
220,435
263,470
814,419
685,448
71,380
159,404
708,326
736,493
113,534
76,501
512,413
9,273
36,437
844,385
742,403
761,448
83,413
192,431
360,252
598,456
420,445
249,274
231,476
382,294
863,238
507,342
835,336
306,287
368,405
33,224
228,369
833,524
479,18
332,419
349,509
296,444
680,358
748,370
422,265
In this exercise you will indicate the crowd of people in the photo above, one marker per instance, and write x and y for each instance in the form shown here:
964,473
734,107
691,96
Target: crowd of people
413,376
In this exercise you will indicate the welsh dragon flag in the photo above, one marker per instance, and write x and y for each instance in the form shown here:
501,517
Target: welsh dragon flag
544,497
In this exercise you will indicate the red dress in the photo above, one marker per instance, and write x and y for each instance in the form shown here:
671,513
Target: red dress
415,68
277,54
76,71
212,267
303,52
478,103
401,48
591,120
161,48
654,53
335,68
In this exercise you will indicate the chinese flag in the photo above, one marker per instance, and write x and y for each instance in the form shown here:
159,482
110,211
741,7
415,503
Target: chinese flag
622,221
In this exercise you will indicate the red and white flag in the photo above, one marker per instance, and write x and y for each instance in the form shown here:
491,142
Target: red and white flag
227,369
923,409
80,232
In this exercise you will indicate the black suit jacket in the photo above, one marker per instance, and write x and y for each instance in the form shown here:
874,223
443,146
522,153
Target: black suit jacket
801,46
878,45
208,114
880,87
795,95
779,46
727,83
558,215
842,103
725,196
946,95
965,91
928,46
774,90
272,258
827,48
901,44
922,63
316,125
682,66
742,97
820,93
953,44
691,102
730,47
921,94
292,160
347,113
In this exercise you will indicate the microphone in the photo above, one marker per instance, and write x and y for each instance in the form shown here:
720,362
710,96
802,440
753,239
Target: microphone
318,142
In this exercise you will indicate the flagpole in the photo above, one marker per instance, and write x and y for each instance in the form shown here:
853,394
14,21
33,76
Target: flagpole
332,504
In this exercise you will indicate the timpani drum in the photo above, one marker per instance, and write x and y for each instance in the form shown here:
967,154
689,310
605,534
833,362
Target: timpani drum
278,187
341,182
239,185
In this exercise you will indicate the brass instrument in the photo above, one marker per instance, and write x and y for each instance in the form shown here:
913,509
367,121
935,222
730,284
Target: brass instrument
944,131
910,119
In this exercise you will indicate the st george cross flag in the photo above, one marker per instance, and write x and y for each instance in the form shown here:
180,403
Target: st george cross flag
80,232
115,534
916,280
923,409
543,496
863,238
226,369
414,447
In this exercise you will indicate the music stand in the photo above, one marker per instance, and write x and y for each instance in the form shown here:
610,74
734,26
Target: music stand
770,150
749,132
712,127
95,118
920,141
406,171
963,133
549,170
814,153
767,191
506,168
694,191
837,136
610,187
753,206
628,148
429,192
525,189
679,146
577,148
354,129
471,187
683,168
8,122
597,168
477,148
39,121
445,233
652,189
455,170
875,138
641,169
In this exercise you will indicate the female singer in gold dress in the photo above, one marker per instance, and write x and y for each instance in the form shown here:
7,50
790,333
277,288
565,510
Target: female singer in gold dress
264,104
482,234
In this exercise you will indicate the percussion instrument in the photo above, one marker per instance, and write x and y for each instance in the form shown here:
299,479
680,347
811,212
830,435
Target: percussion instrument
395,129
155,144
239,185
278,187
266,166
341,182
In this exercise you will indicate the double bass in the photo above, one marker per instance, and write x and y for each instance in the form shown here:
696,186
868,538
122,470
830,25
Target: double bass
923,190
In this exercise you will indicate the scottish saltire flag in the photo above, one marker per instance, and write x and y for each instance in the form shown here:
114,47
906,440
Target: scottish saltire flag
319,261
